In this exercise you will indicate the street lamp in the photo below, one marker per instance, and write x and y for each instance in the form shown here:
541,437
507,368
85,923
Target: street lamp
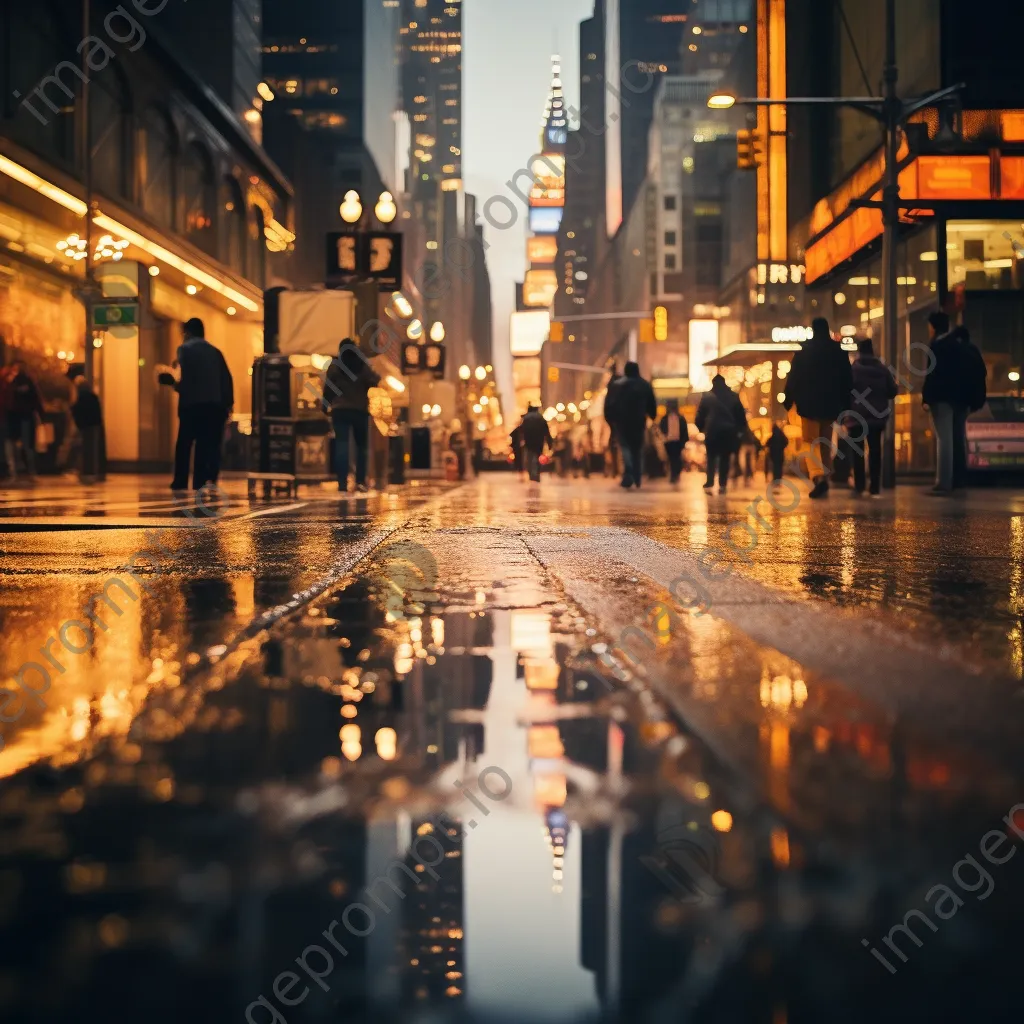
414,331
385,210
437,331
481,373
401,305
892,113
351,209
464,372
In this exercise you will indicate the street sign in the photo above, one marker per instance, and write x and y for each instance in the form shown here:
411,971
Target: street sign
111,315
557,332
355,255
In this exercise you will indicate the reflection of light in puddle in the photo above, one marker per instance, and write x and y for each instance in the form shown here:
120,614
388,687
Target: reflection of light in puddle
550,791
545,742
531,633
541,674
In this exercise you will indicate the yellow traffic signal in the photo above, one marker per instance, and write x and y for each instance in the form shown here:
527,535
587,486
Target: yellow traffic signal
557,332
660,323
553,374
749,149
646,331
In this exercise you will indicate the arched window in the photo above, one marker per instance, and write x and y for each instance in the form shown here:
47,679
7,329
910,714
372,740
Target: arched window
109,128
158,180
199,190
236,228
258,249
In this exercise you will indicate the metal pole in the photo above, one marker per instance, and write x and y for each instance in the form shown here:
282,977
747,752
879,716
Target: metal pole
890,221
90,362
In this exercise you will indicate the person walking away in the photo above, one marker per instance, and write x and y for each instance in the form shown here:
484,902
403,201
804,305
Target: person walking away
777,445
88,418
676,433
349,379
26,410
632,403
874,388
945,394
819,385
536,434
206,396
751,448
6,408
722,420
975,375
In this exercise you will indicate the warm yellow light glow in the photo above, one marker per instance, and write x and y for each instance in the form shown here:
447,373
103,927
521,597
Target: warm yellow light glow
385,210
437,331
415,330
265,91
721,101
464,372
402,306
395,384
481,373
231,311
168,257
154,271
191,289
721,821
42,186
351,209
425,410
1014,375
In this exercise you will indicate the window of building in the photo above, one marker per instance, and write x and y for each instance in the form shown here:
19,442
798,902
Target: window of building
670,203
158,187
982,255
670,238
200,195
670,261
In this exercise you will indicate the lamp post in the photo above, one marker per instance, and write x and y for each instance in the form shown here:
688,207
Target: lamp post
892,113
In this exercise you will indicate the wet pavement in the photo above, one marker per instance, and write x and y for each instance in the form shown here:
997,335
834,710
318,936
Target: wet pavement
468,754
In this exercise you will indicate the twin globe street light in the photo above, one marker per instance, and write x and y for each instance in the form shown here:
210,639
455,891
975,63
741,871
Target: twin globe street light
351,209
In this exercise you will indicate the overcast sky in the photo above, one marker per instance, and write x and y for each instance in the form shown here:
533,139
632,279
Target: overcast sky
506,70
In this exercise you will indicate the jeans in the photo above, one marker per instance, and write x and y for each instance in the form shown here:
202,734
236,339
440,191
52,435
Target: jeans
674,451
632,458
950,423
533,464
202,426
719,460
819,457
358,423
873,441
778,460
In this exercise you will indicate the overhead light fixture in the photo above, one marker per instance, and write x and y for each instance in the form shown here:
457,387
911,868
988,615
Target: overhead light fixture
265,91
42,186
191,289
401,305
415,330
464,372
168,257
481,373
154,271
721,101
437,331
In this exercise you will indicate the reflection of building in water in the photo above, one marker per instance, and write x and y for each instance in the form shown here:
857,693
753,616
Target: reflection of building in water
431,939
626,914
556,829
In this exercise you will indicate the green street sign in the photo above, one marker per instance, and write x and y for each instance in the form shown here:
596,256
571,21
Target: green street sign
108,315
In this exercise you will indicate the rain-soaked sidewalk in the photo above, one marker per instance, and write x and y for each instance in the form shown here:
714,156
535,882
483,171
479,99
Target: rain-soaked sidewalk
481,755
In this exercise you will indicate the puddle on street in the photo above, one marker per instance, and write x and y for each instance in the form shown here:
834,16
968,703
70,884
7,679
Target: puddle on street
407,809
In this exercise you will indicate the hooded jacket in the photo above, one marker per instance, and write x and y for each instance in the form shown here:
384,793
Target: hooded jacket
535,431
874,387
629,404
821,380
349,379
945,383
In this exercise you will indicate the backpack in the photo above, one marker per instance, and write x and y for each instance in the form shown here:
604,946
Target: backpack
975,374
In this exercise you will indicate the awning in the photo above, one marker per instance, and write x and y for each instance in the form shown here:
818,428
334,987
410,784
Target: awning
752,354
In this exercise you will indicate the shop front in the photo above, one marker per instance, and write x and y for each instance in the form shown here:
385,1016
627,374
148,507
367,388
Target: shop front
963,254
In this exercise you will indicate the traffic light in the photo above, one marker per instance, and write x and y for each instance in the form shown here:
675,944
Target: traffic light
557,332
749,149
553,374
660,323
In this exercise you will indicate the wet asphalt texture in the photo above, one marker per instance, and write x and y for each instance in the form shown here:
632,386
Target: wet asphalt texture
476,753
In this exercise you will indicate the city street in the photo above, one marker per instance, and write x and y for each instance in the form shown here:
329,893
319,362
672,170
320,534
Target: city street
508,751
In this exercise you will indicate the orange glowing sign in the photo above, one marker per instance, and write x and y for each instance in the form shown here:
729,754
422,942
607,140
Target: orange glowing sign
1012,125
1011,177
953,177
542,249
539,287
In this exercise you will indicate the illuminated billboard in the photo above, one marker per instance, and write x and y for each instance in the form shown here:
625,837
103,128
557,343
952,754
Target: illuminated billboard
528,331
545,220
703,348
548,180
539,287
542,250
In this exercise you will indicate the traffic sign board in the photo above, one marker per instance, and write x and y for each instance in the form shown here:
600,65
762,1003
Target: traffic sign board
107,314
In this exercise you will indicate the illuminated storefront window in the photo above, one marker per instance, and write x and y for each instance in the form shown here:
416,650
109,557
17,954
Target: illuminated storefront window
984,255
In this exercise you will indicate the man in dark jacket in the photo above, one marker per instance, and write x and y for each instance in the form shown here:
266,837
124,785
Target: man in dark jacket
536,434
819,385
676,433
777,445
975,380
347,387
206,396
946,395
629,405
722,420
874,388
88,416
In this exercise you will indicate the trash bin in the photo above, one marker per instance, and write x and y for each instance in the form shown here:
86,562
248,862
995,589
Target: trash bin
396,459
421,448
